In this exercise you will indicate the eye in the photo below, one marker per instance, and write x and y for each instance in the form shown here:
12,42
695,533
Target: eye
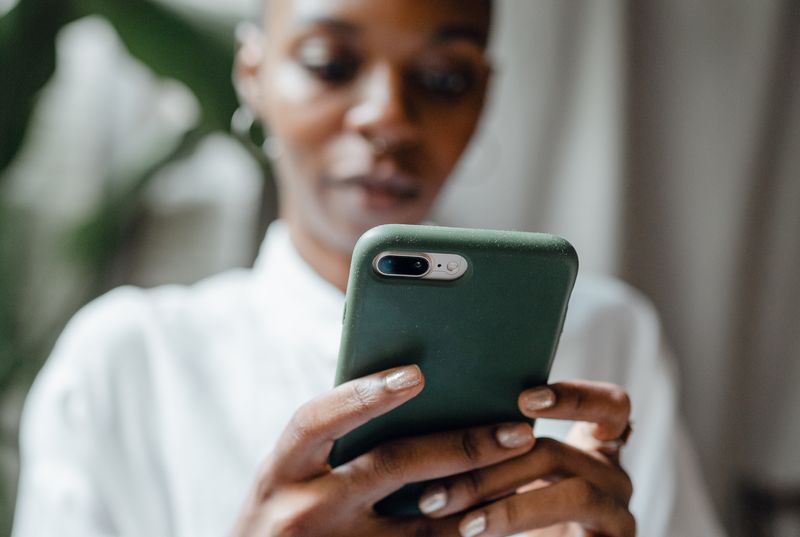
450,83
321,60
335,71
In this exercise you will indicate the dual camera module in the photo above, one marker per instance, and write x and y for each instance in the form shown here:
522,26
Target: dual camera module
420,265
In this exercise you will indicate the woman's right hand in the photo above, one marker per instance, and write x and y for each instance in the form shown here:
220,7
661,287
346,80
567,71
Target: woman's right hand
297,493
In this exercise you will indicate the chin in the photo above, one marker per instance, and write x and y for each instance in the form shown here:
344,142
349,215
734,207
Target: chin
343,233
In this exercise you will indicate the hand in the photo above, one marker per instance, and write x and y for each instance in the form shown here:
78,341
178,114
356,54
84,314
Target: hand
556,489
297,493
602,412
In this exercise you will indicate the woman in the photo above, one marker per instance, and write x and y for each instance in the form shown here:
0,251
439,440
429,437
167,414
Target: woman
156,411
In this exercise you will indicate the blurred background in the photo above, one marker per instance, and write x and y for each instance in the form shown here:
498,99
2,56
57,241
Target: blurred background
662,138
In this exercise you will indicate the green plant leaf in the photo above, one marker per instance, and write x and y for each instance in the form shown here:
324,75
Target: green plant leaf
27,61
191,50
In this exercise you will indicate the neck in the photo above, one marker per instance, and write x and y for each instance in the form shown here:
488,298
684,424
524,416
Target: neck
332,264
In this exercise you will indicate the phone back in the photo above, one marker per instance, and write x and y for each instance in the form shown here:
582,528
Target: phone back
480,340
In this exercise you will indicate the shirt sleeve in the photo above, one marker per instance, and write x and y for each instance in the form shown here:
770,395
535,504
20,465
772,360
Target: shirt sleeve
59,488
670,499
78,474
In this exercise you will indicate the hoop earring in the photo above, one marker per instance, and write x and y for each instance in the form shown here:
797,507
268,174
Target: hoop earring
248,129
272,147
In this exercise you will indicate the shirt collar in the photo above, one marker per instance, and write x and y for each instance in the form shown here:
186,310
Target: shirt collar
279,267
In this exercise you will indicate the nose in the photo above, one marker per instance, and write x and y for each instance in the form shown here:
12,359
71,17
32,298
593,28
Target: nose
383,111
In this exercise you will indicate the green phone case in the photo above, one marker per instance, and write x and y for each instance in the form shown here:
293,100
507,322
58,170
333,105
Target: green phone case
480,340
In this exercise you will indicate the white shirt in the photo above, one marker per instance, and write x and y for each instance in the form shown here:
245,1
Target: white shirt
157,406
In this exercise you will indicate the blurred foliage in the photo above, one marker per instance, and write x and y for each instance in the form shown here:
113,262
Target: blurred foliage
192,51
31,27
188,47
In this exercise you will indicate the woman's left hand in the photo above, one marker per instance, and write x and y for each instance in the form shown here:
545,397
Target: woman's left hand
602,415
601,411
559,489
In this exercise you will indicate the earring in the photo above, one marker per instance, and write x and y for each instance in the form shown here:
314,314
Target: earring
272,147
242,121
246,126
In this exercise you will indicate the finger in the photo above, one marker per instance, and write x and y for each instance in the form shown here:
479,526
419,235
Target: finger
419,527
385,469
303,449
583,436
602,403
571,500
548,460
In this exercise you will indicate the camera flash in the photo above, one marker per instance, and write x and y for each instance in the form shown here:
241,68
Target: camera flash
453,265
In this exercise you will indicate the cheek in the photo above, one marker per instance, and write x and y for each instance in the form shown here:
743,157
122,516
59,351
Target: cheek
449,131
301,112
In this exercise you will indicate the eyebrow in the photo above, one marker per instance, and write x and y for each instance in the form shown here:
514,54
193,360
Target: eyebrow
336,25
443,34
459,33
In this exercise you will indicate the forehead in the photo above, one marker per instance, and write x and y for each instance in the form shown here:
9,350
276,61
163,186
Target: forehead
400,16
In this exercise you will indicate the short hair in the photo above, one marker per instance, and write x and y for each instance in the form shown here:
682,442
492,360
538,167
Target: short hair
262,12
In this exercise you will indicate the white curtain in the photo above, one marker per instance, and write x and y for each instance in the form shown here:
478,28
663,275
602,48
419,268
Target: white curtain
663,139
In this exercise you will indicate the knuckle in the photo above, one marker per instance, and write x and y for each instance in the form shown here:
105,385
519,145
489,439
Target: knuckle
423,528
621,400
362,397
302,432
387,462
545,444
474,484
264,486
298,513
263,490
470,446
629,526
289,526
552,453
579,401
627,486
302,425
511,515
295,522
584,493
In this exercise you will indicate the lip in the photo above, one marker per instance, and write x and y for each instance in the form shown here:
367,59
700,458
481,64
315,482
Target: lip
382,192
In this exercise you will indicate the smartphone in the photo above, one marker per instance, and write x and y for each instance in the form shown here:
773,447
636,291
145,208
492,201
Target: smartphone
480,312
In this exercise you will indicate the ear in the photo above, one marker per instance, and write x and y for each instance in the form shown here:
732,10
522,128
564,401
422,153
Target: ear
248,64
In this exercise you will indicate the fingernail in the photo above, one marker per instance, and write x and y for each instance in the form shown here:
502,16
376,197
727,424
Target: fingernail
433,500
539,399
403,378
514,436
474,526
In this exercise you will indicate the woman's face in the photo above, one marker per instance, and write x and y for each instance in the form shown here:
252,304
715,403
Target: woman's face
371,104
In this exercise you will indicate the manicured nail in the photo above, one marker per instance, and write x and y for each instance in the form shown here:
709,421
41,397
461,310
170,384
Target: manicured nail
433,500
514,436
403,378
474,526
539,399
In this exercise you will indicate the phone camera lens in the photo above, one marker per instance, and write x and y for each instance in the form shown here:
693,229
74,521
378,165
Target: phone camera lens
402,265
386,265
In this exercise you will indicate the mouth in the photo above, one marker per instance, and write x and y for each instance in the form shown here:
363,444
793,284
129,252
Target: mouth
382,193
